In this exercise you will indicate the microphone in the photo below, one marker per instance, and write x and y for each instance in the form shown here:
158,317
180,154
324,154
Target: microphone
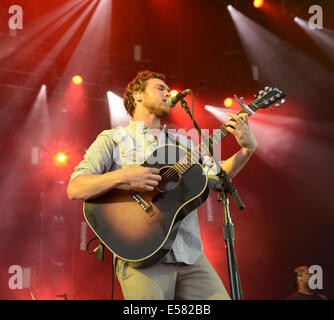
172,101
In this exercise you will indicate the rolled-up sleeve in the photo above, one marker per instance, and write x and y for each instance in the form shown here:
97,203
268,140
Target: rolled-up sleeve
209,166
98,159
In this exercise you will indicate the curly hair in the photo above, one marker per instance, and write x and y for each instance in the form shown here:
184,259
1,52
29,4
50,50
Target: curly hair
138,84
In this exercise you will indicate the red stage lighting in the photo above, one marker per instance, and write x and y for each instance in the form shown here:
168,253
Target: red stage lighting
228,102
77,79
258,3
60,159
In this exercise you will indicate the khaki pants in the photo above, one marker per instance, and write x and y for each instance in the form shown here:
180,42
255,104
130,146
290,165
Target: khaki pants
168,281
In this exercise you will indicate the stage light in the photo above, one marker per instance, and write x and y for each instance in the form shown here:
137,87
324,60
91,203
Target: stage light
258,3
173,93
228,102
77,79
60,159
117,112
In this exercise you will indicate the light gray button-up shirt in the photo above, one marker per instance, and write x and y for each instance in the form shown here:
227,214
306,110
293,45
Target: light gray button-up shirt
125,147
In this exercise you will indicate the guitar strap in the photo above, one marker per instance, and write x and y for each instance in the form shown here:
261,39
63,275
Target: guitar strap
99,250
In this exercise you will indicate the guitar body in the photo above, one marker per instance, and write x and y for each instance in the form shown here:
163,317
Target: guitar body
141,227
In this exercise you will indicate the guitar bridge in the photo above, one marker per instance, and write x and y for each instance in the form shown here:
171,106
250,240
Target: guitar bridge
145,205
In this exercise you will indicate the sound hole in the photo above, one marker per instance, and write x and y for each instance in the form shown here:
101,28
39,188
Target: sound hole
170,179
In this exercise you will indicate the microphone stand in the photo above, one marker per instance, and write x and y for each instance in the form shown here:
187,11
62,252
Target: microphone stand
228,229
224,187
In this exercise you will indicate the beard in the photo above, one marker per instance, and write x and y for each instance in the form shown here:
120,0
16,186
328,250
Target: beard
159,110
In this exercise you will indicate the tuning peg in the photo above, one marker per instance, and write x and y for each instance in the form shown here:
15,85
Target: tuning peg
282,101
271,108
266,88
261,91
276,104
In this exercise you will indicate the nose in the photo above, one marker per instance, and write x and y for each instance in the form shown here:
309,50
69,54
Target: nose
167,94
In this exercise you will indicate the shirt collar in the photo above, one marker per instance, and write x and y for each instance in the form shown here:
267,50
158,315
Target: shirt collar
140,126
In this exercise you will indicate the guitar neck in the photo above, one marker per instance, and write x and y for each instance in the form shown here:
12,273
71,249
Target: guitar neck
193,156
265,98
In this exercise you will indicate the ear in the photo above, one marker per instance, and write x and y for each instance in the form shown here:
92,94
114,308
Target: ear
136,95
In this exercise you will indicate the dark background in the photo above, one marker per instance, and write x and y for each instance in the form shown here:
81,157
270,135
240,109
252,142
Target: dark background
287,186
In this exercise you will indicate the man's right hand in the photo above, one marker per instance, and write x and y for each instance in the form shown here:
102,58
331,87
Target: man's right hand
89,186
141,178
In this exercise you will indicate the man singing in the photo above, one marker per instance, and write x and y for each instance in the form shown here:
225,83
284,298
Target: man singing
113,161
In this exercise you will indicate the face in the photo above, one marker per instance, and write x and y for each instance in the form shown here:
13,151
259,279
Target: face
154,97
305,277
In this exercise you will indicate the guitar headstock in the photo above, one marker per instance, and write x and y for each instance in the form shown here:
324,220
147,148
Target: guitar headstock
267,97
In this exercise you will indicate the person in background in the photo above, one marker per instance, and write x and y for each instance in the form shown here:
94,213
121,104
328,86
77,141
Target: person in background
301,278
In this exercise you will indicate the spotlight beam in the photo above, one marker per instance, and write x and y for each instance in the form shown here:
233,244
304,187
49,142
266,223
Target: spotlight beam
94,41
43,67
117,112
40,29
37,125
31,45
278,61
323,38
36,130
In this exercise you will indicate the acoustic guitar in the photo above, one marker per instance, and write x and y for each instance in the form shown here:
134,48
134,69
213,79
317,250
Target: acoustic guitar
140,227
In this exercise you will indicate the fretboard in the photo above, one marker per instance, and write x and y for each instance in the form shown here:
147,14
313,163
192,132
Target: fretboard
194,155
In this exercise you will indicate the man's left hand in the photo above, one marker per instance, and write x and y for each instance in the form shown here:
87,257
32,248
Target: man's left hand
242,131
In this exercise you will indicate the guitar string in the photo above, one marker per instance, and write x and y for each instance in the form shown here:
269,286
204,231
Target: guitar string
173,172
186,162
